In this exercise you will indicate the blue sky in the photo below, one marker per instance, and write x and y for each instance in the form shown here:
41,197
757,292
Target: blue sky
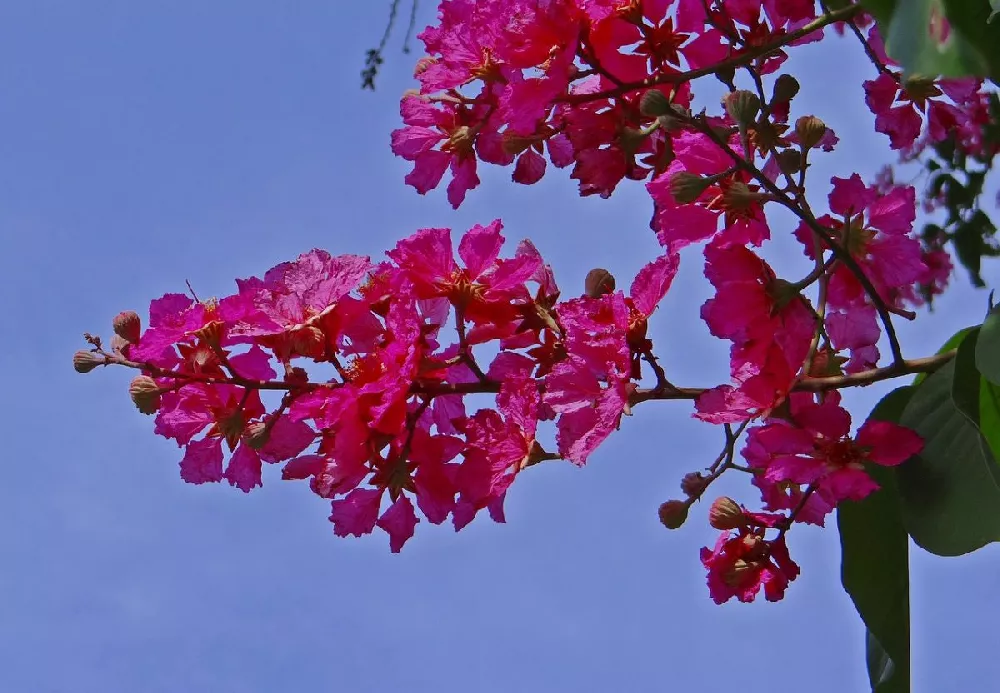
145,143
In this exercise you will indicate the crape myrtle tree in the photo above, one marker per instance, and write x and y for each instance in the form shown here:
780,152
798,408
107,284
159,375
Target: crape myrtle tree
364,377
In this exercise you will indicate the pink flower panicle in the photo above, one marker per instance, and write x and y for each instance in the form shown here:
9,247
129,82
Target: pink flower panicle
392,433
603,87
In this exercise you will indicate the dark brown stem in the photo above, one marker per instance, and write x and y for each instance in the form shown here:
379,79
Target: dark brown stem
907,367
489,386
787,524
463,346
662,384
723,462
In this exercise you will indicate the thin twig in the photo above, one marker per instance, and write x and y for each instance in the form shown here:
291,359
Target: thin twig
841,254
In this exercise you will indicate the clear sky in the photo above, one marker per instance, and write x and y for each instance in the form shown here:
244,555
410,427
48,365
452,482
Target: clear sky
145,143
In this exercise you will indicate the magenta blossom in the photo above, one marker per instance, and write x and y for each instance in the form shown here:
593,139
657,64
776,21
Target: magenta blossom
742,563
813,447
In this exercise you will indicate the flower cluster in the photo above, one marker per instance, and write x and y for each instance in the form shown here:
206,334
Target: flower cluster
603,87
391,432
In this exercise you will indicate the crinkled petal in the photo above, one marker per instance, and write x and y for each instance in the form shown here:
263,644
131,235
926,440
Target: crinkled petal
244,469
399,522
202,461
356,513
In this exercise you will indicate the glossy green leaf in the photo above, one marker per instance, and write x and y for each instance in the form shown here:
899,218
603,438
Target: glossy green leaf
875,566
965,383
970,22
952,343
988,348
917,37
882,668
989,415
950,492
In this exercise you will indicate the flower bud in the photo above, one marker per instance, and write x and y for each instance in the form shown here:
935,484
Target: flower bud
257,435
631,139
145,394
740,196
785,89
725,514
654,103
790,161
672,119
693,484
742,106
810,131
726,75
86,361
673,513
599,282
127,326
687,187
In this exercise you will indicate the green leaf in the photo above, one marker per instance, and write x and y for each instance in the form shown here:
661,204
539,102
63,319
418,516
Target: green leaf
988,348
915,36
882,668
952,343
950,492
970,22
965,384
875,566
989,415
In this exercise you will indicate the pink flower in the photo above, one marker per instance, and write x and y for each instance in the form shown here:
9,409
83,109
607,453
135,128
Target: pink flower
294,297
780,496
484,289
454,130
770,325
464,44
648,289
814,447
398,521
632,41
357,513
179,324
755,309
590,389
202,461
741,564
435,479
875,229
759,388
500,444
726,196
855,328
244,469
899,104
188,411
